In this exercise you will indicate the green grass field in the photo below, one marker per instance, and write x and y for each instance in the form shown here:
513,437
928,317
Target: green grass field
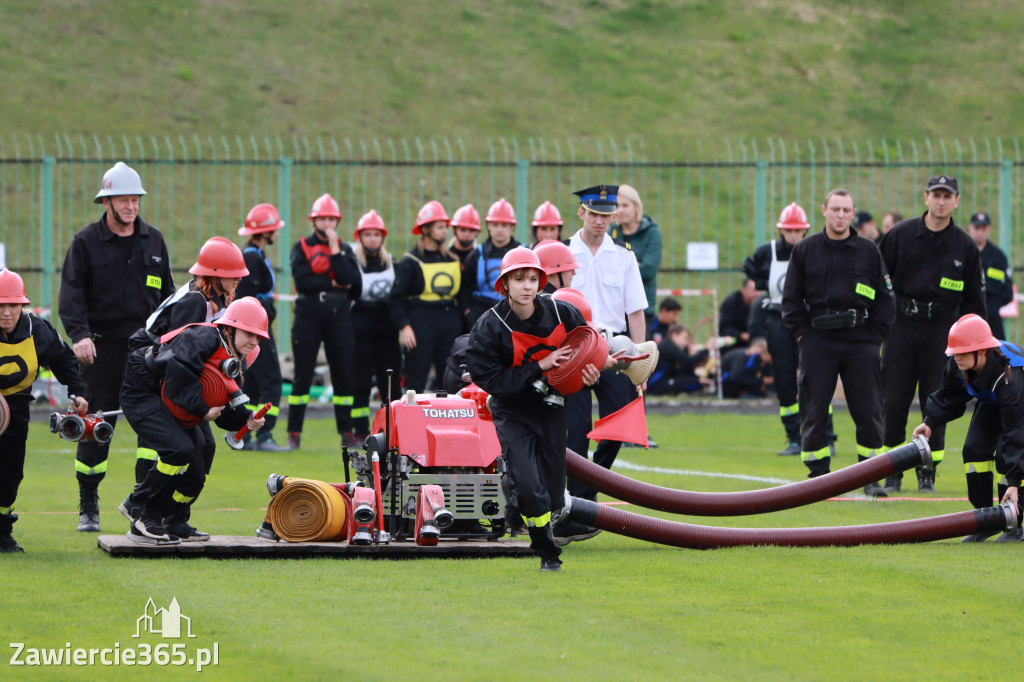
620,609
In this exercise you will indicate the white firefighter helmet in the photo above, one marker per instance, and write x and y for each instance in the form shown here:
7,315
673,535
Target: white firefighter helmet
121,180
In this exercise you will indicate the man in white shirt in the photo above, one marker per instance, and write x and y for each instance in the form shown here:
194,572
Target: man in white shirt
609,278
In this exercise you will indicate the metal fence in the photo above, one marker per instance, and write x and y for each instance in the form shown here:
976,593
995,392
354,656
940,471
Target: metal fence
728,191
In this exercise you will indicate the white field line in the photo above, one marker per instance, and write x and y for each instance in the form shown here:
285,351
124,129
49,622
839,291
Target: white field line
625,464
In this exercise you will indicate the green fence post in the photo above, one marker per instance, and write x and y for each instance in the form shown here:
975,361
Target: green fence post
46,256
1006,206
523,199
760,200
284,208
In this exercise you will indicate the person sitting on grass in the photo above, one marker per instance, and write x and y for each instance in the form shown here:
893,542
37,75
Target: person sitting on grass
747,371
668,313
678,359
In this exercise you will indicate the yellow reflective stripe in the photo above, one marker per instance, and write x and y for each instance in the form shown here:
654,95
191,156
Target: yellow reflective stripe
979,467
360,412
298,399
830,409
807,456
274,411
342,400
45,373
100,468
165,468
937,455
183,499
538,521
951,284
6,510
787,410
865,451
145,453
864,290
996,274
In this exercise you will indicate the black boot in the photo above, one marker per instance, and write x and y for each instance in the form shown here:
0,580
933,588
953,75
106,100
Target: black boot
88,506
542,542
893,483
8,545
872,489
926,479
818,467
176,523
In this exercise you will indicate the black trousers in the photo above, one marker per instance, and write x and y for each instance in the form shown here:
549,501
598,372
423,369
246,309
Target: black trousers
785,360
12,452
913,358
329,324
103,386
982,453
436,328
614,391
824,358
263,384
377,350
533,447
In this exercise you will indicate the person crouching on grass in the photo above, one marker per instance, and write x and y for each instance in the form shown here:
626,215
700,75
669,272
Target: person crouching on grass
26,342
509,348
979,369
164,398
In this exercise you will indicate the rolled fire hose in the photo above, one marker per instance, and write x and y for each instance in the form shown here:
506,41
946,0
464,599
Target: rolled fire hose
5,414
307,511
587,346
914,453
689,536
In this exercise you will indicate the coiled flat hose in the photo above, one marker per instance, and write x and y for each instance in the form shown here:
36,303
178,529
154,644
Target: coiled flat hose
305,510
915,453
676,534
587,346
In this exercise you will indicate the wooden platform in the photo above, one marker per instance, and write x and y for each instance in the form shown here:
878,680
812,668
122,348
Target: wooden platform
249,546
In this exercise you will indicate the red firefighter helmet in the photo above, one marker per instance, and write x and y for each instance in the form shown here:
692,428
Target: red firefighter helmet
575,297
325,207
970,333
501,212
262,218
467,217
12,287
370,221
517,259
555,256
246,313
793,218
547,214
431,212
219,257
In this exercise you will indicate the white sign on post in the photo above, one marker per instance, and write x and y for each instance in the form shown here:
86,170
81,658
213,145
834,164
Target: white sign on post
702,256
3,256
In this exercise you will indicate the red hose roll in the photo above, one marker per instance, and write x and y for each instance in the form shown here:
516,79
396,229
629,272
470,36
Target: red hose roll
690,536
915,453
588,346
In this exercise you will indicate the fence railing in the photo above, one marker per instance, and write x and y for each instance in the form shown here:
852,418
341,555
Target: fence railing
728,191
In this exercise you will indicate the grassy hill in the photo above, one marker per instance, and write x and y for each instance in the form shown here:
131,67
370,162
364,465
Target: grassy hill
531,68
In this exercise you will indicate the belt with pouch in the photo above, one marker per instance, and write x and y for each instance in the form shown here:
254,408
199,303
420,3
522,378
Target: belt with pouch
927,310
324,297
840,319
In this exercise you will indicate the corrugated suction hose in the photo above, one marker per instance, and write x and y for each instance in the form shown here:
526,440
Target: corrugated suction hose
915,453
305,510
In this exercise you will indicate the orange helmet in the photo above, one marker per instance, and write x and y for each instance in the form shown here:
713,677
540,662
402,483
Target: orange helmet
576,298
12,287
793,218
517,259
219,257
467,217
325,207
970,333
246,313
501,212
555,256
547,214
370,221
431,212
262,218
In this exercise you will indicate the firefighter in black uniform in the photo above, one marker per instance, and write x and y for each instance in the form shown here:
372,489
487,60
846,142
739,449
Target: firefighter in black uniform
116,272
263,380
217,272
482,266
998,282
26,343
838,302
425,300
508,349
937,276
376,335
169,390
324,269
767,267
979,369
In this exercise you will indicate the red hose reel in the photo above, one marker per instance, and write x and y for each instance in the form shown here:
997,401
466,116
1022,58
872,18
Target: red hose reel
588,347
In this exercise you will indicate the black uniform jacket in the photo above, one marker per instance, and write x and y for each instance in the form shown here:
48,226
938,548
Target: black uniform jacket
472,264
179,362
343,266
51,351
409,283
991,385
732,316
189,308
838,274
998,282
489,355
936,267
259,283
104,288
758,265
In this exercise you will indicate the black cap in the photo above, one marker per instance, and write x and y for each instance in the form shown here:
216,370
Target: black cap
943,182
601,199
861,218
981,218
